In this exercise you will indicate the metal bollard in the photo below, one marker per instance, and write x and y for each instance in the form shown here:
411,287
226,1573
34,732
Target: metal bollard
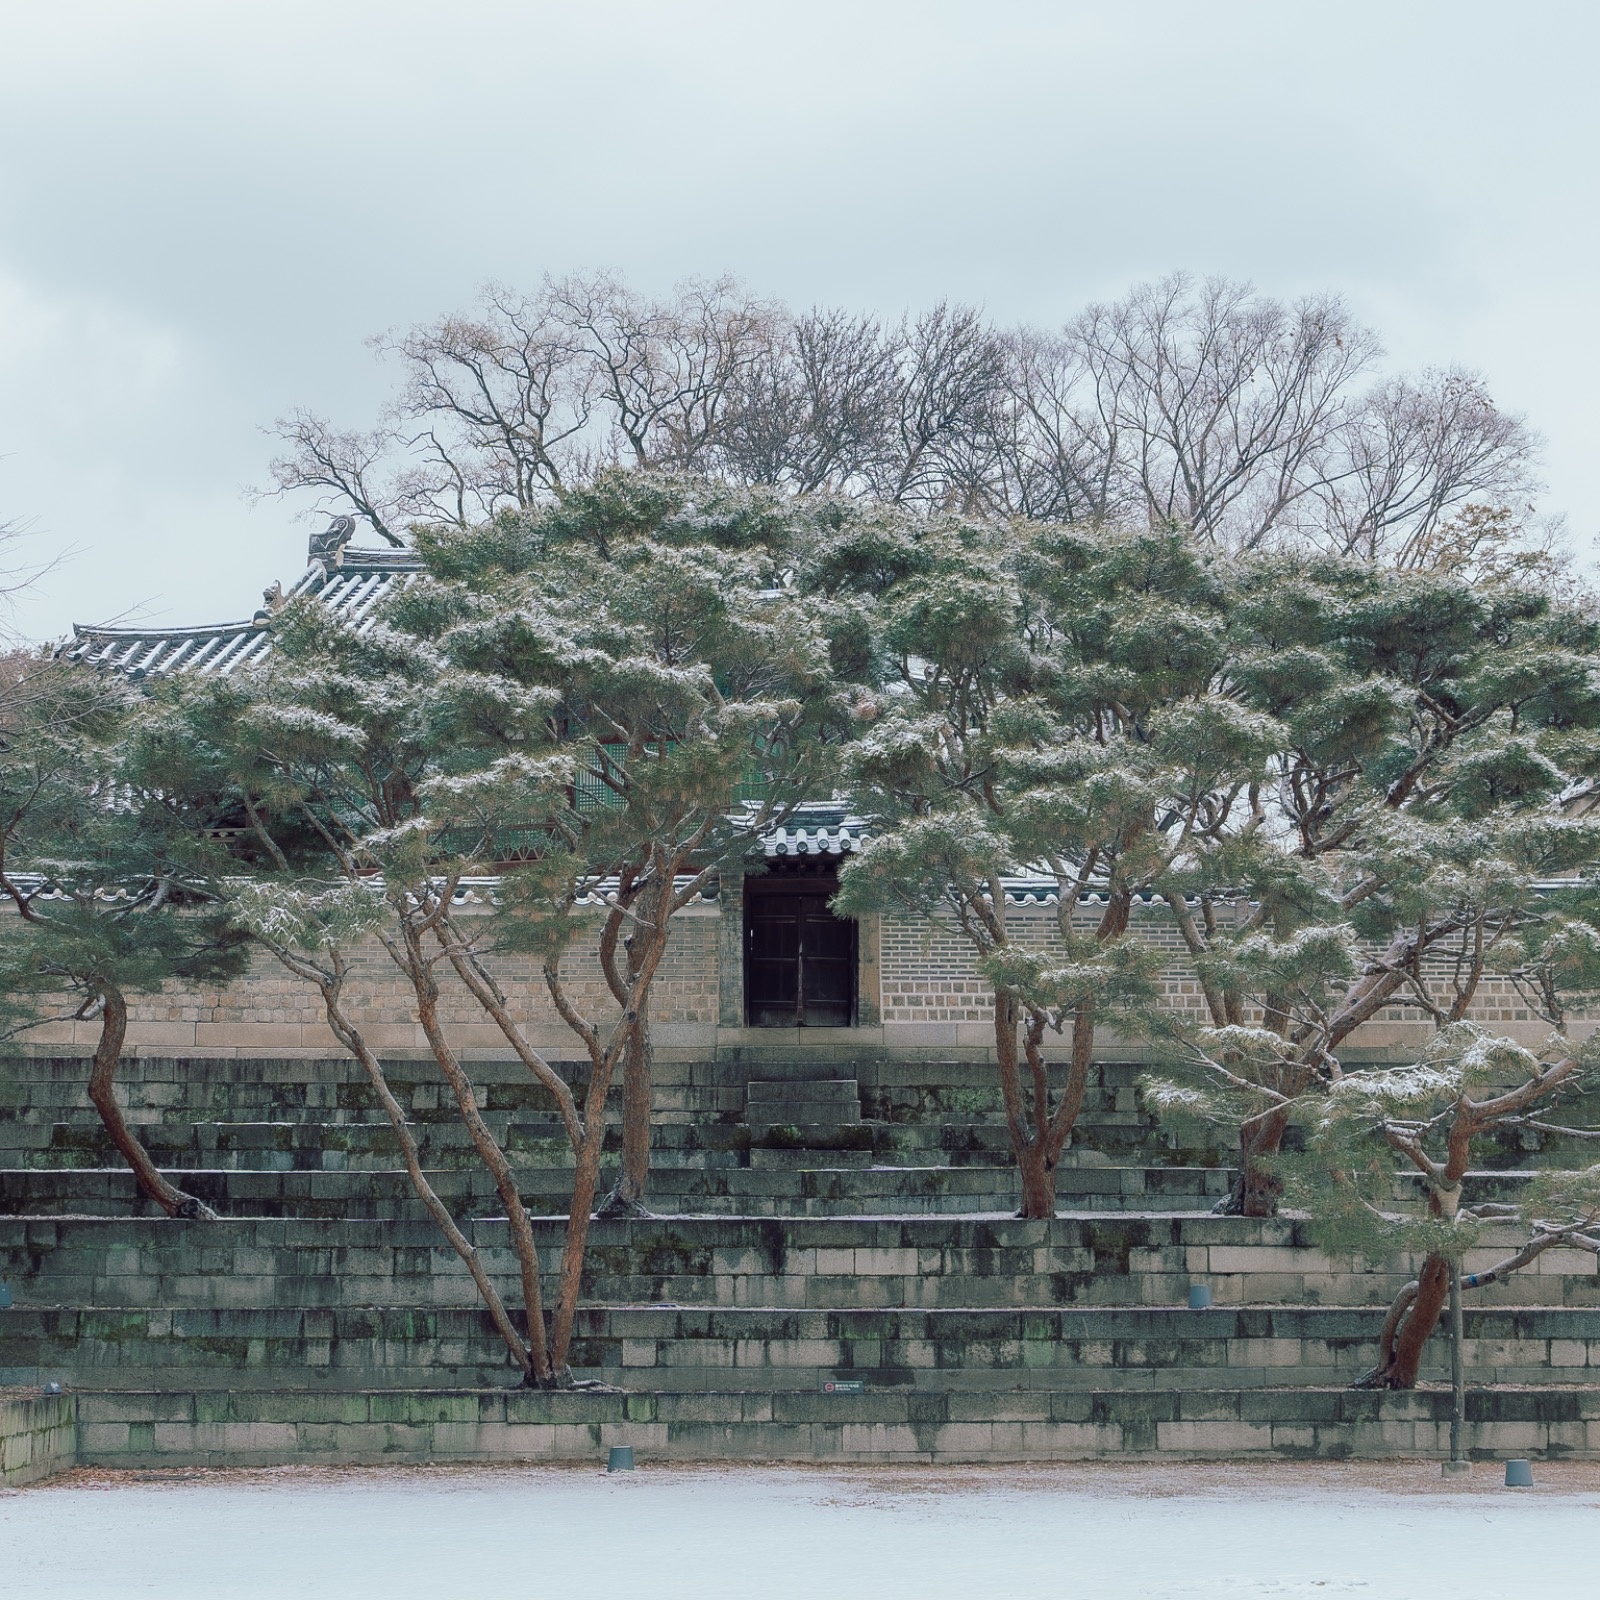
1519,1474
620,1459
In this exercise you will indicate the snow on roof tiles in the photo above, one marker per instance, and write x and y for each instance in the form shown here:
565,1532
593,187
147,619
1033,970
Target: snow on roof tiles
347,579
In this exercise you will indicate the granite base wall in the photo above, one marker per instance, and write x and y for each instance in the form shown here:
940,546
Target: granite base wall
258,1428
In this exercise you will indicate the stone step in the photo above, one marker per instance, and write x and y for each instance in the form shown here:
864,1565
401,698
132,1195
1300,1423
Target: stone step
686,1349
777,1183
354,1146
194,1088
71,1127
1086,1259
975,1098
786,1103
791,1190
242,1427
44,1107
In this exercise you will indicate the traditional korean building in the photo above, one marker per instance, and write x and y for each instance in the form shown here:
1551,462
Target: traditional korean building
759,969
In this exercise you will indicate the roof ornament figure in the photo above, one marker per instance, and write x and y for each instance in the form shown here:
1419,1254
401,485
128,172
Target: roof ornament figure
272,600
327,547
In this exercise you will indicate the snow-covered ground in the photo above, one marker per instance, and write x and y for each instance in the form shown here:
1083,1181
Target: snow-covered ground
1391,1533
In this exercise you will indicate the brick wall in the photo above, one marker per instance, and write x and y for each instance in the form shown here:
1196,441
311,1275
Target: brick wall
929,972
270,1009
914,973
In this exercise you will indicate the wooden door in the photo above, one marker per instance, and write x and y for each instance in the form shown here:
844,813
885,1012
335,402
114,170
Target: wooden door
800,960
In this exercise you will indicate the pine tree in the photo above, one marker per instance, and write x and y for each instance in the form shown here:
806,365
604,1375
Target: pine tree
589,713
1430,1118
113,883
1435,740
1047,706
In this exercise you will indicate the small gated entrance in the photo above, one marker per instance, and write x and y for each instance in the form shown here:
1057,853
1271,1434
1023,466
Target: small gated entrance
800,959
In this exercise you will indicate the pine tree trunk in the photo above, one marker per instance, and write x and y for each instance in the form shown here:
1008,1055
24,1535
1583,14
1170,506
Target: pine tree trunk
1038,1187
102,1092
1038,1184
1406,1336
585,1181
1256,1191
540,1373
626,1198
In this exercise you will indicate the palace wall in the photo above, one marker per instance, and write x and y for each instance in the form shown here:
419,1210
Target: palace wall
918,991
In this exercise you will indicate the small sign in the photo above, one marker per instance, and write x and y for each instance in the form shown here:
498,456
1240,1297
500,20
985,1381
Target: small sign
844,1386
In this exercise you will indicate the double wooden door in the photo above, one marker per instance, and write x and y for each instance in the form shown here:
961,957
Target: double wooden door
800,960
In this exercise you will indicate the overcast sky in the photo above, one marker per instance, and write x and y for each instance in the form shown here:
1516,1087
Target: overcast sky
205,209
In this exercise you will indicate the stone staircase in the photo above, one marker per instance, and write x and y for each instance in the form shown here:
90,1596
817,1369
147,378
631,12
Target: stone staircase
834,1272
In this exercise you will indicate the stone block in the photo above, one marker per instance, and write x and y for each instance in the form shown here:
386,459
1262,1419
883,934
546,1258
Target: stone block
97,1440
955,1440
527,1439
1226,1259
1294,1441
883,1262
1214,1437
1265,1353
259,1438
879,1441
189,1440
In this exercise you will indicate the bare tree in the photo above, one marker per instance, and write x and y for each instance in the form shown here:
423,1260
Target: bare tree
811,413
344,469
1410,453
1224,400
1059,442
504,398
951,370
1202,405
666,370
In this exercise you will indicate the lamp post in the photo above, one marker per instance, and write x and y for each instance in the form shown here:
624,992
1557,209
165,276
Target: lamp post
1458,1463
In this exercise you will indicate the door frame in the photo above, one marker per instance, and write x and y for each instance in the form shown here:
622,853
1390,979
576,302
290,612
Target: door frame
810,876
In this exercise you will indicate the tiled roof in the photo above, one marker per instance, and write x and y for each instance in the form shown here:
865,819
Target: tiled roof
820,829
350,580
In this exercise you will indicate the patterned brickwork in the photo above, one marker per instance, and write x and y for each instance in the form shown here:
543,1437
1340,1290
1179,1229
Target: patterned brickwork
930,972
685,990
